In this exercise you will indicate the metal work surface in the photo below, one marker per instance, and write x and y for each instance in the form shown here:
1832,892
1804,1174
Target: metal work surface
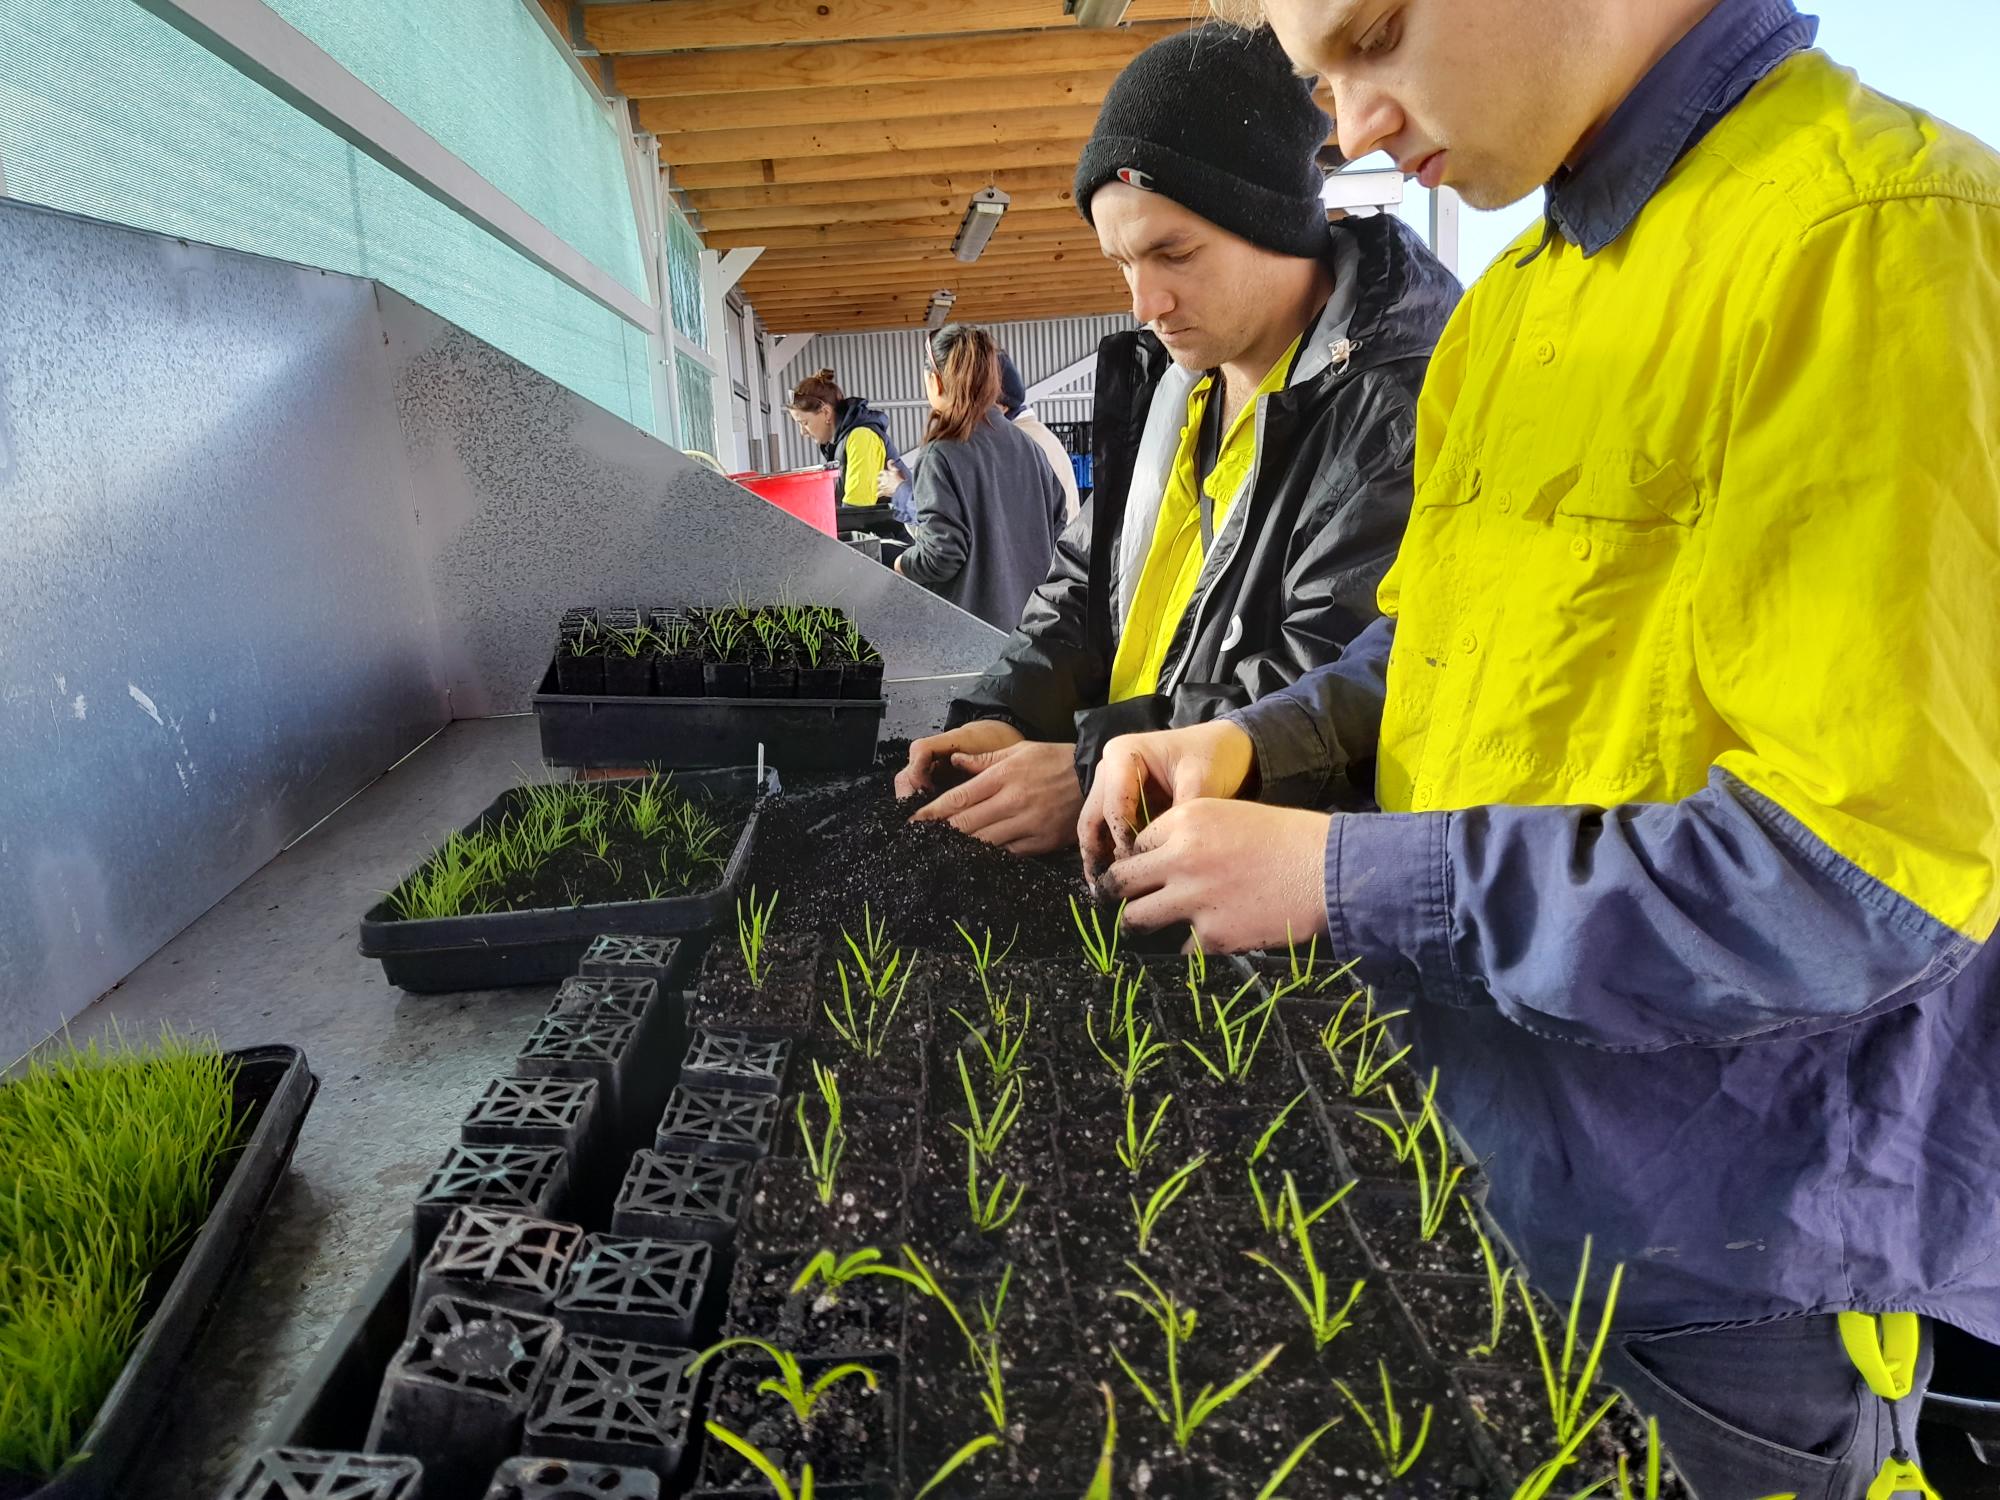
213,623
533,500
276,961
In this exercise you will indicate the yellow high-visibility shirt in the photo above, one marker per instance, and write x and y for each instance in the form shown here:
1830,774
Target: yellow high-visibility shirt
1763,540
866,457
1174,560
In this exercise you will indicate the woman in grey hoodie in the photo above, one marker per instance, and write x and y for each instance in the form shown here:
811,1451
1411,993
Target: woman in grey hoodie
988,508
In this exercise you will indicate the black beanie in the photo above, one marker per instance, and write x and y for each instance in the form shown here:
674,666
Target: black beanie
1215,119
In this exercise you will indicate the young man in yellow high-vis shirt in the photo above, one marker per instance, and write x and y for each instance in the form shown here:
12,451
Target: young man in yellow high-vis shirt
1251,449
1684,709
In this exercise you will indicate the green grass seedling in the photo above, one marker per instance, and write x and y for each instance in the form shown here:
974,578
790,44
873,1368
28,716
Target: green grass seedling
1568,1384
1273,1206
1124,1008
1239,1034
781,1486
1297,1456
751,927
1100,948
1100,1477
866,1030
984,962
982,1344
1002,1040
1182,1414
1398,1456
989,1129
1164,1197
873,952
1131,1056
991,1209
824,1150
1497,1281
836,1271
1438,1173
789,1384
1309,1289
1137,1146
958,1461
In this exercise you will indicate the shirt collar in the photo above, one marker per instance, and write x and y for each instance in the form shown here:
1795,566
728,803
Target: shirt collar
1700,80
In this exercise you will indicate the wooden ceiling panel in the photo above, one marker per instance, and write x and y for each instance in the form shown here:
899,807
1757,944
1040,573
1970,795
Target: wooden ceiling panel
847,166
825,109
807,212
942,229
757,70
703,25
989,127
1018,182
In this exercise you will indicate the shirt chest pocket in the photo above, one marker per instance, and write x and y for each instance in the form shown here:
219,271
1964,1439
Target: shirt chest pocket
1582,590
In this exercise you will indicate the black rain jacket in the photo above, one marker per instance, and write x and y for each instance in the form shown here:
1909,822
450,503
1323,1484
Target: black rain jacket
1292,576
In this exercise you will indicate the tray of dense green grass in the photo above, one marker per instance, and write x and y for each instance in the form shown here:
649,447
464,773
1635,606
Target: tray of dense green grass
516,895
132,1178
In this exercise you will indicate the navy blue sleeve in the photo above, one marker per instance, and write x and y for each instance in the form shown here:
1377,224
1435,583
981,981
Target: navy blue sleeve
1718,919
1309,736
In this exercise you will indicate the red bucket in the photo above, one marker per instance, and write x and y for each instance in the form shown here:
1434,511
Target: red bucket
805,493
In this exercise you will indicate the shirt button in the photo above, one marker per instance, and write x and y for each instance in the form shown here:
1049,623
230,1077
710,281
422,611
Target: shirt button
1422,799
1580,546
1468,643
1545,352
1506,503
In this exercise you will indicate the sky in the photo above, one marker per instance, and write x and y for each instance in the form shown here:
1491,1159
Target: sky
1941,55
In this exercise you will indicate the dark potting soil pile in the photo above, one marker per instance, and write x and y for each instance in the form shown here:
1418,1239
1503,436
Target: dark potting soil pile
828,844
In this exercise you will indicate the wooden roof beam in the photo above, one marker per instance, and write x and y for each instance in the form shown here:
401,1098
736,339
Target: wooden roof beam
826,108
701,25
937,229
804,212
794,166
1016,181
993,126
995,55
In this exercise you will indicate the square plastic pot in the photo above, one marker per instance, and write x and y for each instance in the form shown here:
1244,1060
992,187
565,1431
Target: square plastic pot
719,1122
597,1044
313,1474
530,1180
458,1391
499,1258
614,1401
568,1479
734,1061
630,956
675,1196
558,1112
639,1288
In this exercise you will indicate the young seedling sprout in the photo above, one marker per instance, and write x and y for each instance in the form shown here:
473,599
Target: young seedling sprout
836,1272
1164,1197
781,1486
751,927
958,1461
990,1126
982,1344
1567,1384
824,1150
1132,1054
867,1030
1437,1175
1240,1024
1310,1289
1004,1036
1137,1146
1100,1477
1292,1460
873,951
1371,1063
984,961
1273,1206
990,1207
789,1384
1182,1415
1398,1456
1496,1286
1100,948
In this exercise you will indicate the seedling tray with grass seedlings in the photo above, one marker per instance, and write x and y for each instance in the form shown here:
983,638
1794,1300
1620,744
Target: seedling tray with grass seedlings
706,687
1070,1226
177,1151
517,895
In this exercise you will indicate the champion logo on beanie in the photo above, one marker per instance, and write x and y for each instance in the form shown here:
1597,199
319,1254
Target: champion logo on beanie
1215,119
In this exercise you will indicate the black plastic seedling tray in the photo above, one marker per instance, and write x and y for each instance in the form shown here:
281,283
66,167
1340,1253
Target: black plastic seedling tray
498,949
797,734
274,1089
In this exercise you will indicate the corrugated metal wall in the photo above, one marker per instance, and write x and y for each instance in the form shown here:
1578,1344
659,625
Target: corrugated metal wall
887,368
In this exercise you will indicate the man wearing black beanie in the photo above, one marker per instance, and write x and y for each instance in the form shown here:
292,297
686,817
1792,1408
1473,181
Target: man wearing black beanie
1252,449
